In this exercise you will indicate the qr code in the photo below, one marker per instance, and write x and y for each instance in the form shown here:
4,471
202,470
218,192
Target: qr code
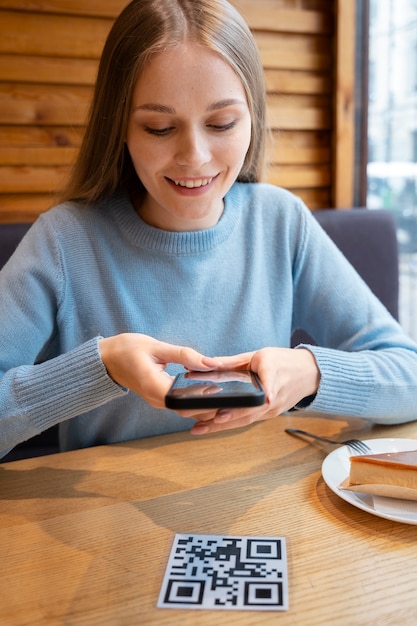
226,572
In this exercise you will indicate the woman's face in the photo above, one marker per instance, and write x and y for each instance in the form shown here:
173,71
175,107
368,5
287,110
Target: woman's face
188,135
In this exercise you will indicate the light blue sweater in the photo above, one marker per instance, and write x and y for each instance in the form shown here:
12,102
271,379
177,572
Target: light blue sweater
265,269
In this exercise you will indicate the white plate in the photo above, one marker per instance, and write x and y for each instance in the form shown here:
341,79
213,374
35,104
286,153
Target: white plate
336,467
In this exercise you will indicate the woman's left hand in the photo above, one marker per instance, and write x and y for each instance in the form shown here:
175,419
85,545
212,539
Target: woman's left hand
287,375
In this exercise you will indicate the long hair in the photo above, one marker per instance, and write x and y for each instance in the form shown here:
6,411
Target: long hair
143,28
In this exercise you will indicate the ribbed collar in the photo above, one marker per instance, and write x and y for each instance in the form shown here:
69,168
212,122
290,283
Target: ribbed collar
143,235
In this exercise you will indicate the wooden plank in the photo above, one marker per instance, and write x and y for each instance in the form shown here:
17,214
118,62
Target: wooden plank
24,207
40,136
299,119
299,101
281,155
31,137
52,35
310,5
299,176
108,8
47,70
301,139
344,122
295,52
292,81
297,43
22,216
299,147
37,156
44,104
268,15
30,179
315,199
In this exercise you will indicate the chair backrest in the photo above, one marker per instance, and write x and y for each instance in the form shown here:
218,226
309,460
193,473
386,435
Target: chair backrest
10,236
368,239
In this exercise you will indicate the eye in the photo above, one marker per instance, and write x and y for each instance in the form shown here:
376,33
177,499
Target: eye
160,132
223,127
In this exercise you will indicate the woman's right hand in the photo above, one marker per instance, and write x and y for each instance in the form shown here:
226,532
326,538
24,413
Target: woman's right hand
138,362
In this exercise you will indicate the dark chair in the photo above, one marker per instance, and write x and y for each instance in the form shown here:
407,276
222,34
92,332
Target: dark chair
47,441
368,239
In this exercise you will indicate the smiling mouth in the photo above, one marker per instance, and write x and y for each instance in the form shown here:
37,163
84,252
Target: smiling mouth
193,184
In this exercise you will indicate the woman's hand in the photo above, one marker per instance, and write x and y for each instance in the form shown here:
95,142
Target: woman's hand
287,375
138,362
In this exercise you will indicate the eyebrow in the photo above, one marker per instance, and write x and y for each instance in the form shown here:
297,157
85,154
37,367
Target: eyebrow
161,108
158,108
222,104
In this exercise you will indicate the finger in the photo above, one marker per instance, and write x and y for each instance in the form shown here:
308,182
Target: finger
235,362
204,415
229,419
157,385
225,416
208,428
188,357
269,380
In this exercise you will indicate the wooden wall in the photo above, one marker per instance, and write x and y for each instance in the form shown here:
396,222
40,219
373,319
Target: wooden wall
49,51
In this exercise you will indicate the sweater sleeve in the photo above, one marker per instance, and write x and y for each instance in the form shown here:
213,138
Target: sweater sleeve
39,386
368,364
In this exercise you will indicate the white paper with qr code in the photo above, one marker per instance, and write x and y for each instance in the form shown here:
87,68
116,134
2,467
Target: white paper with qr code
226,572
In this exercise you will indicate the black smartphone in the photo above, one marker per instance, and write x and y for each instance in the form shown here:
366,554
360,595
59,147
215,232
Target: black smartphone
215,390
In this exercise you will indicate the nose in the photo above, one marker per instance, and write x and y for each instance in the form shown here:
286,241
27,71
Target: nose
193,148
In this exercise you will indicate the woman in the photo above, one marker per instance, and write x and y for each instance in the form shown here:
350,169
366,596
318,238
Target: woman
167,252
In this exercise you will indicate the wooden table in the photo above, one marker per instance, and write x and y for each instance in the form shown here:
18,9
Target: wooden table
85,535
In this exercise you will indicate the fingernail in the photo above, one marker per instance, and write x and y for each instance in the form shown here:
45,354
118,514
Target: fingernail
222,417
199,429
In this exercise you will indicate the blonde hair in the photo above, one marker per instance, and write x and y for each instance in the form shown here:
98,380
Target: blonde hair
143,28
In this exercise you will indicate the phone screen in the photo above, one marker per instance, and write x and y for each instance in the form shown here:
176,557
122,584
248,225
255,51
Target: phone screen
202,390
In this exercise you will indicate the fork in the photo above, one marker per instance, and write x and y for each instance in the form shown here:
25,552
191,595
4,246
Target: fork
355,444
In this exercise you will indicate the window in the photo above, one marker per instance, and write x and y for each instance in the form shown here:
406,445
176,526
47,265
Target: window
392,134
